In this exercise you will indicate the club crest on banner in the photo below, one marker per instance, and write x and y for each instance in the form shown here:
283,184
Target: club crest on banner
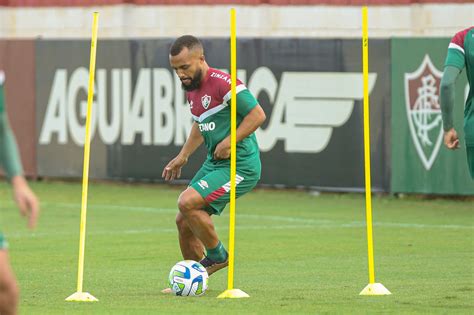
424,111
206,101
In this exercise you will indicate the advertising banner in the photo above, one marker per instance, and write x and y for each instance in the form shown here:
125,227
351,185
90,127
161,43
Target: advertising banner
311,91
420,161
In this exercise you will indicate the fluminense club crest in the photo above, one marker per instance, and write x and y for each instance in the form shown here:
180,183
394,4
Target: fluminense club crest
206,101
423,110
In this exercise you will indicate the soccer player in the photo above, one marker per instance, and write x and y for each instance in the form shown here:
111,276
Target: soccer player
208,93
24,198
460,55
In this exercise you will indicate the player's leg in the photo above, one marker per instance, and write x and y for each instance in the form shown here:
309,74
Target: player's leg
191,247
9,292
191,206
214,188
189,242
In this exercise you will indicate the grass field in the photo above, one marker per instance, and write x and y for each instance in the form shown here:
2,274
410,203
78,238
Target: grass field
295,253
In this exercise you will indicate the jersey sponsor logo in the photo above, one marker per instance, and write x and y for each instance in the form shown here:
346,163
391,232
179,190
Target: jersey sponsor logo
203,184
210,126
423,110
226,78
206,101
153,110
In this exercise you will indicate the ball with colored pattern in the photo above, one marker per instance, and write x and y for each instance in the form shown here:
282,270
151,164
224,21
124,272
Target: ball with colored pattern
188,278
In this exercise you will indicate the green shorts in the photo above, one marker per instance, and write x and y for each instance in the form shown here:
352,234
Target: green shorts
3,242
470,160
213,184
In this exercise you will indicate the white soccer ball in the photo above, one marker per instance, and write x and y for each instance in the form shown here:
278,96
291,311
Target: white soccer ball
188,278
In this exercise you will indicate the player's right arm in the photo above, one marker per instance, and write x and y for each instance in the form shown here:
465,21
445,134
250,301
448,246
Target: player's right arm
9,157
10,161
447,92
173,169
455,62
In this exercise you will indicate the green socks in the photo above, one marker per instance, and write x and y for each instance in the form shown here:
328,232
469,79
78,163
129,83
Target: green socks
218,254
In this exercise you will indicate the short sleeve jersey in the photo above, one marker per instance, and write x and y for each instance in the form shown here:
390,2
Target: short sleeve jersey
460,55
210,109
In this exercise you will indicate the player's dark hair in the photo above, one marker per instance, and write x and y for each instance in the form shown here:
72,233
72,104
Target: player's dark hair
187,41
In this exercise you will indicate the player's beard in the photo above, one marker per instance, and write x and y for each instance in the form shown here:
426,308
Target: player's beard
195,82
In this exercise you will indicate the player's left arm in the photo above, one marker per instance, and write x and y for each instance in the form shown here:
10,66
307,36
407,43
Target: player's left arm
10,161
254,116
250,123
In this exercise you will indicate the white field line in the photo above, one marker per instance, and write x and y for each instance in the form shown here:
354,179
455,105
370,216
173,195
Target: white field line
108,207
304,223
20,235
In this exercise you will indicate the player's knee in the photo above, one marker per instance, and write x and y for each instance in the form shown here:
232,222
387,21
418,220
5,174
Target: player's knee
185,204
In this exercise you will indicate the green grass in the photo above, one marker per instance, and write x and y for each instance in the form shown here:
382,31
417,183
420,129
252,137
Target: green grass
295,253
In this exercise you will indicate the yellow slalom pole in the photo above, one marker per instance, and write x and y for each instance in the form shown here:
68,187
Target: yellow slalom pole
368,192
231,292
80,296
372,288
233,149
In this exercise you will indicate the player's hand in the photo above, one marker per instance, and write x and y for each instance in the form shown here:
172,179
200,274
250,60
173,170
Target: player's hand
173,169
451,140
26,200
222,150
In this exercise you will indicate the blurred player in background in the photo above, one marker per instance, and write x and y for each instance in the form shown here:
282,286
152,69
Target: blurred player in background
208,92
460,55
24,198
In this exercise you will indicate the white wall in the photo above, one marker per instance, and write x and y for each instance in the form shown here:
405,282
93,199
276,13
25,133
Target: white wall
269,21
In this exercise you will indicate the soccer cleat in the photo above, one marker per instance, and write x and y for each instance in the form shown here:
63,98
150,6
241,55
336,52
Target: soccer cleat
213,266
167,291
